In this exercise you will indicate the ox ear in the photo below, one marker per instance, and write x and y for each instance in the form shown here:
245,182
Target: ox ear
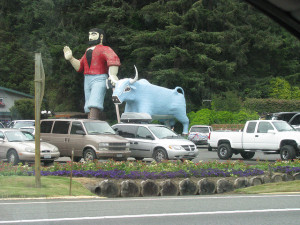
136,76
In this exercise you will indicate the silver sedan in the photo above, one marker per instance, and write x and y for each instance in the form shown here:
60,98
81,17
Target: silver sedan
19,146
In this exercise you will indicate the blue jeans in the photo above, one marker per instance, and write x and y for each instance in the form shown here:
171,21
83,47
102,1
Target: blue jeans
94,91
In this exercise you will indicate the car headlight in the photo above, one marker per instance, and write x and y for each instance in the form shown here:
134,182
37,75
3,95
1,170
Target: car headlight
128,144
176,147
29,149
103,146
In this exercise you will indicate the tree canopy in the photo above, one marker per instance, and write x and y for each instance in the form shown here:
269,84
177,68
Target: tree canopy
207,47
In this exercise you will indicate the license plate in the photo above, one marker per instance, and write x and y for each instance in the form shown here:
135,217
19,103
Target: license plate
47,156
119,155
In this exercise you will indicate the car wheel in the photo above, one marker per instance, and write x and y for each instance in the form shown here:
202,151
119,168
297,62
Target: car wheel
209,149
12,157
247,155
287,152
139,158
160,155
224,151
89,155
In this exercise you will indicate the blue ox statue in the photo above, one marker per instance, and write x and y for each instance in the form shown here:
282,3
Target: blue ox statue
142,97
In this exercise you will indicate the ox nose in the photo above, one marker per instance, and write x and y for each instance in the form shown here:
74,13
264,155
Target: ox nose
116,100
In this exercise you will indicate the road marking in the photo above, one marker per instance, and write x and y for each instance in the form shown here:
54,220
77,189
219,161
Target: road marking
189,198
150,215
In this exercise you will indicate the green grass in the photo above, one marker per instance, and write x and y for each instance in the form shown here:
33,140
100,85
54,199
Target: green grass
24,187
291,186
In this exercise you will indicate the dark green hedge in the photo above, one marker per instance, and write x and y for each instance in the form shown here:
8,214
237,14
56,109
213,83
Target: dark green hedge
262,106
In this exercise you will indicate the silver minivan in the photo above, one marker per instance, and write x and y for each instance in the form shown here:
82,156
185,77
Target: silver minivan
155,141
89,139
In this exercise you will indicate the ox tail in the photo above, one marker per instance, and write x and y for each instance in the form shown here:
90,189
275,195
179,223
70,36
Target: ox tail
179,90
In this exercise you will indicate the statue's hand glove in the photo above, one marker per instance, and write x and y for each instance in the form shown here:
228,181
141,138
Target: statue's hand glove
112,73
68,53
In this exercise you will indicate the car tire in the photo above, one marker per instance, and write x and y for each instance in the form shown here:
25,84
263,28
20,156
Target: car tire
287,152
139,158
160,155
224,151
12,157
247,155
89,155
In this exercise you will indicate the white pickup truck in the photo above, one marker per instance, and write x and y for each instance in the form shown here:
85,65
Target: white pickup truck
269,136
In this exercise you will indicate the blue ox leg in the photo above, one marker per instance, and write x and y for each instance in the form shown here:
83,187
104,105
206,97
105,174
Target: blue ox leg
184,120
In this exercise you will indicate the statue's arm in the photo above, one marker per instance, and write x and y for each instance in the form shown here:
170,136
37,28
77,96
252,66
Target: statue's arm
68,56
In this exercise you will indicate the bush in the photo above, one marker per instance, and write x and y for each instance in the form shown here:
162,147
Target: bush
269,105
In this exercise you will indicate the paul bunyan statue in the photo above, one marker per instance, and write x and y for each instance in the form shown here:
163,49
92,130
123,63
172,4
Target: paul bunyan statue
98,64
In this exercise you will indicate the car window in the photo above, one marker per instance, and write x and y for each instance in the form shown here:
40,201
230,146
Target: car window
263,127
163,132
200,129
61,127
18,136
126,131
76,126
98,128
251,127
46,126
296,120
19,124
143,133
283,126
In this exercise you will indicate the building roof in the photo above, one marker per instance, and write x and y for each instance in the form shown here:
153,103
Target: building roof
15,92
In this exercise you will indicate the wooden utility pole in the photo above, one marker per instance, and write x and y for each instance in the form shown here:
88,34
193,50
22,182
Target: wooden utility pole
39,87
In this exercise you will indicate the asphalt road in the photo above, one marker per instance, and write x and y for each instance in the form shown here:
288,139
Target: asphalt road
206,155
217,209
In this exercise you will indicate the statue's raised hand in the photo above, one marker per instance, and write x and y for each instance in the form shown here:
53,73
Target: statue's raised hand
67,53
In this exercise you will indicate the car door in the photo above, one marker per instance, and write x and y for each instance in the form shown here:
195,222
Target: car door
264,139
249,136
76,139
60,137
143,142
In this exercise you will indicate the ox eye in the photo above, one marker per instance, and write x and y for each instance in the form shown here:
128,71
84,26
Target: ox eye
127,89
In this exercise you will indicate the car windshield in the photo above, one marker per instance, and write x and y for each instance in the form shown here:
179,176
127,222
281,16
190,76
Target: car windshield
200,129
98,128
23,124
18,136
283,126
162,132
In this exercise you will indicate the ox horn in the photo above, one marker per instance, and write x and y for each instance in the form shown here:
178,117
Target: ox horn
136,76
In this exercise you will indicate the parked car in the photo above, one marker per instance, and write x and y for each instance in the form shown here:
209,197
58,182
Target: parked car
268,136
156,141
199,134
90,139
18,146
21,123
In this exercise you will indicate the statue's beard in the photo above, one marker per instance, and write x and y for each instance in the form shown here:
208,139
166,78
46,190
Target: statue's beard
94,42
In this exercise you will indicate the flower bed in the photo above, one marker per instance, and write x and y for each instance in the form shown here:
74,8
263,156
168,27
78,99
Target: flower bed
164,170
